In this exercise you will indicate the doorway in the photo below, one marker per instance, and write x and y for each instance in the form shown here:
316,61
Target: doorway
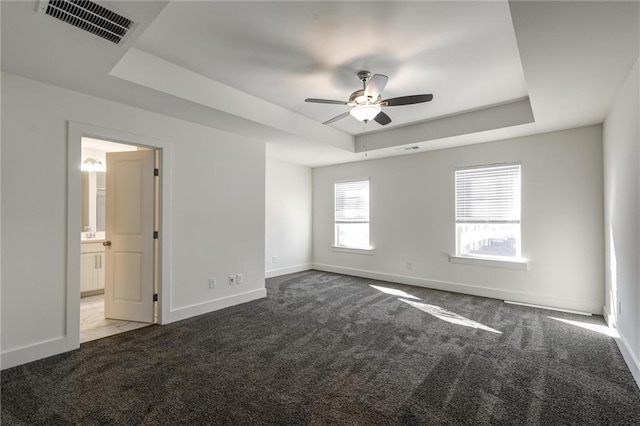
99,271
163,150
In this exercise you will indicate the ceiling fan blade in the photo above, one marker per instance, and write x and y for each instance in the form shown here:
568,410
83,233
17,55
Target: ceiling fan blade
382,118
336,118
375,86
407,100
325,101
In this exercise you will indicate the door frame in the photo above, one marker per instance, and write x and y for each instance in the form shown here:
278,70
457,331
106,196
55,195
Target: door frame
75,132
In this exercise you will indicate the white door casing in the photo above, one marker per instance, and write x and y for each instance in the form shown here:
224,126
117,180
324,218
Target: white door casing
129,227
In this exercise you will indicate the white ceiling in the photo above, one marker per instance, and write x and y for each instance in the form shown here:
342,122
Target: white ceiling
496,69
464,53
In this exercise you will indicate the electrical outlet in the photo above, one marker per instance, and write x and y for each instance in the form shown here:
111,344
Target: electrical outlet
239,279
274,259
232,279
409,265
212,282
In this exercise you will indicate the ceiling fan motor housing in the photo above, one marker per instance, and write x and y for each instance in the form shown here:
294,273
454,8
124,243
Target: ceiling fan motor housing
358,98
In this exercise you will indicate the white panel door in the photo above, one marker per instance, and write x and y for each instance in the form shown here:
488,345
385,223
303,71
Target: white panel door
129,226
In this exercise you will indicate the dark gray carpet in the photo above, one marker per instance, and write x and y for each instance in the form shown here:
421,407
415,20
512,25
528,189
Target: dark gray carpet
330,349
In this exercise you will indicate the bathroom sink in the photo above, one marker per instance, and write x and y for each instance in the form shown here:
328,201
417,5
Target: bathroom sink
96,238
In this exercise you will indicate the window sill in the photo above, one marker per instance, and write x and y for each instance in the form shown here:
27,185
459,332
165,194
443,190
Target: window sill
522,264
353,250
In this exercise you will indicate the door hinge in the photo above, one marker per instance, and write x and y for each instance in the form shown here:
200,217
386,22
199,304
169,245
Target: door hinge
156,172
155,297
155,235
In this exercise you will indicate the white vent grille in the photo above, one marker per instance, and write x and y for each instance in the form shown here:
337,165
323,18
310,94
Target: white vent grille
91,17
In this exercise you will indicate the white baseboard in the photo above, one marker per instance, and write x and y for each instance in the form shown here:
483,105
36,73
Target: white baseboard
530,305
34,352
288,270
608,318
629,357
494,293
214,305
23,355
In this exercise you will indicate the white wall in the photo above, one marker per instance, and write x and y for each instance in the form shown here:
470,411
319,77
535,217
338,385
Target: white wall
412,219
217,212
288,218
621,139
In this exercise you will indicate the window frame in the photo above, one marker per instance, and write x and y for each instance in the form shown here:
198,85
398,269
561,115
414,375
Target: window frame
512,262
348,248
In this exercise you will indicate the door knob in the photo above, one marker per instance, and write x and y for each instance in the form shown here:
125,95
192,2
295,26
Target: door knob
106,243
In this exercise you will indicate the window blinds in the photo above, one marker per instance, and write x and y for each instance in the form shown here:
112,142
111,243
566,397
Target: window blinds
488,194
352,202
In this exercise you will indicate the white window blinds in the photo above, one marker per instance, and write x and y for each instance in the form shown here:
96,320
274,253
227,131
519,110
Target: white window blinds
352,202
488,194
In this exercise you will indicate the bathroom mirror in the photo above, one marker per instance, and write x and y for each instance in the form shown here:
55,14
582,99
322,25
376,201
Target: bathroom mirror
93,201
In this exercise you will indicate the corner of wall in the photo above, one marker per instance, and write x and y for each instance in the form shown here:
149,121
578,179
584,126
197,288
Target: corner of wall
270,273
214,305
629,357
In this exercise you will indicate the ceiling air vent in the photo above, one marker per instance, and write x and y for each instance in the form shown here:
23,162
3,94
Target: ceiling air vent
90,16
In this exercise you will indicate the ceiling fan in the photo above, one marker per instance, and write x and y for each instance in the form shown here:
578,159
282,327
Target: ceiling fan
367,102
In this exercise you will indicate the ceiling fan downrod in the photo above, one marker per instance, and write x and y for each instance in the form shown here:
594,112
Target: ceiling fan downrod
364,75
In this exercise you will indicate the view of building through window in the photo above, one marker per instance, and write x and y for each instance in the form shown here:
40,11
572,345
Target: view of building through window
488,239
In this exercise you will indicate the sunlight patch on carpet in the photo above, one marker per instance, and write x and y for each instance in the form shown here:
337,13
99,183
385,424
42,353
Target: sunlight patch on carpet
393,291
448,316
598,328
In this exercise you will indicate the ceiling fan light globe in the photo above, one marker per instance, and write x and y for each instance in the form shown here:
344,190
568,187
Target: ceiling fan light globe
365,112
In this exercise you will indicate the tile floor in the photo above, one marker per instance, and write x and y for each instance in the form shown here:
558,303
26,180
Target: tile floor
93,324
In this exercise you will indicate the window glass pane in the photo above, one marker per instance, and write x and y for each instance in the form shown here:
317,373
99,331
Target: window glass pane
488,211
352,235
492,239
352,201
352,214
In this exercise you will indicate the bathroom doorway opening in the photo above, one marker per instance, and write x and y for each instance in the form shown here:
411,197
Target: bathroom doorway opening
119,272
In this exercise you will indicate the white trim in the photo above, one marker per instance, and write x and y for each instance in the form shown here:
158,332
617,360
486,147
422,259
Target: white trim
629,357
288,270
608,318
34,352
494,293
351,180
488,166
521,264
60,345
72,311
627,354
549,308
75,134
353,250
214,305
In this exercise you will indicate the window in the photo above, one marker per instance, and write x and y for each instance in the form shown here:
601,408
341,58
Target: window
352,214
488,211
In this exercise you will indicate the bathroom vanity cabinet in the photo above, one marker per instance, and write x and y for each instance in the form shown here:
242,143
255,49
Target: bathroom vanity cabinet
92,259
